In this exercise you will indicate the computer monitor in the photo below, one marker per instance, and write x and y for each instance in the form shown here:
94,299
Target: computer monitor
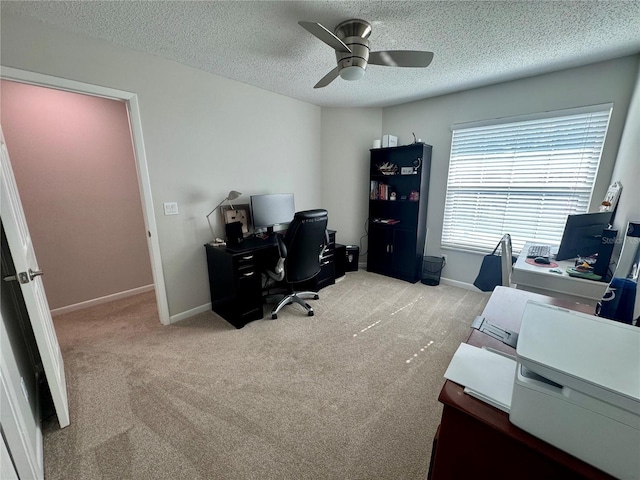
273,209
583,234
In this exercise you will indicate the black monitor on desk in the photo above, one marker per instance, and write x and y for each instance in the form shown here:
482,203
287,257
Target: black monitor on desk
583,235
270,210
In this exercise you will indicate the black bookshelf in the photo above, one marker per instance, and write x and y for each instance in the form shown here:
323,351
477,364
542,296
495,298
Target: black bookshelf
398,195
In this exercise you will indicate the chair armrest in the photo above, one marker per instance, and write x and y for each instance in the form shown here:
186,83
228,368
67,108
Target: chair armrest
282,247
277,273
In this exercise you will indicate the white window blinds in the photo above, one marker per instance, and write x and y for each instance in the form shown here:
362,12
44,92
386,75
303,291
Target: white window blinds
522,177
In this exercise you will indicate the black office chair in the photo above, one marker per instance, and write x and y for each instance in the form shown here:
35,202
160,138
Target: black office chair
299,260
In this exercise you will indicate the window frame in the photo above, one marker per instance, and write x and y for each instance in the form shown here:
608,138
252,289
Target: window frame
502,158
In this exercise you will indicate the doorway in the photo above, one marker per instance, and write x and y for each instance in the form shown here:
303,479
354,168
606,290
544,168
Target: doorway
141,171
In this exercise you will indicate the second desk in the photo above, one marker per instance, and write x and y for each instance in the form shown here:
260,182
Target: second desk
541,279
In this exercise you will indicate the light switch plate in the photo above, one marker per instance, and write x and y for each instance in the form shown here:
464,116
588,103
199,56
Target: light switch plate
171,208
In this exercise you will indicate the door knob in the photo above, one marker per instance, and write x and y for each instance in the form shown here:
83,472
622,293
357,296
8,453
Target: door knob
35,273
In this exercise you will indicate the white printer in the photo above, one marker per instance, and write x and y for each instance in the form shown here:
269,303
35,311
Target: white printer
577,386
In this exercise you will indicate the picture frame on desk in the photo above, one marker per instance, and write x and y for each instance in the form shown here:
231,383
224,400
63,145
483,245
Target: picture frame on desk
238,213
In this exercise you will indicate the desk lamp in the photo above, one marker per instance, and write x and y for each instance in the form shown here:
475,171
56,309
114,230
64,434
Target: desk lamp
232,196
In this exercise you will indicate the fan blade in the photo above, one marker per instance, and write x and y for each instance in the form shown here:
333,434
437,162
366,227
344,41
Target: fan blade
401,58
328,78
325,35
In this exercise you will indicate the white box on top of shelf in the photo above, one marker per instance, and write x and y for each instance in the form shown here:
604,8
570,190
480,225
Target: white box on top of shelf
389,141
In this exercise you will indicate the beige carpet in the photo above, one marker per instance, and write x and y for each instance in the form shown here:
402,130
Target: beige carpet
350,393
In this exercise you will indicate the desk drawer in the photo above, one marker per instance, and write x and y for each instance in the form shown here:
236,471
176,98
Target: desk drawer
244,262
249,283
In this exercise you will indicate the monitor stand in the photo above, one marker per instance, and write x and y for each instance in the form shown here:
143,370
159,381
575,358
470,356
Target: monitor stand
266,234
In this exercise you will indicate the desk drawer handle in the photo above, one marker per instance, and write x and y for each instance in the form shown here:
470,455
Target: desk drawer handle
248,274
248,257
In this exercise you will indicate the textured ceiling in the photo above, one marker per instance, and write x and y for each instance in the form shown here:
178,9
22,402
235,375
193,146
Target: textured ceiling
260,43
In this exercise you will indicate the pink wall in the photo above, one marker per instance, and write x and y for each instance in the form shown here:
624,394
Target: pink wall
74,165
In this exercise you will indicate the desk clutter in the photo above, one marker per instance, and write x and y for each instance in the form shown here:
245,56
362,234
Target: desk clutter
486,374
574,383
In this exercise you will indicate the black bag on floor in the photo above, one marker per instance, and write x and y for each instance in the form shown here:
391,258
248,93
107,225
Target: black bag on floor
490,274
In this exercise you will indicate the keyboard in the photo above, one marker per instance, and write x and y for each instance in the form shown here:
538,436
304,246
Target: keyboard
539,251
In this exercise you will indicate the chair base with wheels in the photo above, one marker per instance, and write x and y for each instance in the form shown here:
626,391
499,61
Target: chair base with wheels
295,297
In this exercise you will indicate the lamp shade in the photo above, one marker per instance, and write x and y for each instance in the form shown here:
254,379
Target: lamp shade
233,194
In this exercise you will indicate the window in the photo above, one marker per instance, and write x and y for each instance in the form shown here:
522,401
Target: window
522,176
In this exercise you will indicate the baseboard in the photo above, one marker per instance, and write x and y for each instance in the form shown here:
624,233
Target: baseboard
190,313
101,300
456,283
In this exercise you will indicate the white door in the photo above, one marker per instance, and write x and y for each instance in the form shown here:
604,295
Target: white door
7,470
28,274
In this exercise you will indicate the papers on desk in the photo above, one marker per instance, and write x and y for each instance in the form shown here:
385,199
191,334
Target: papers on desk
486,374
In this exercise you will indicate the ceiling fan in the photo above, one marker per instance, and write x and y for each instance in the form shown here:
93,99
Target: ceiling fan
349,40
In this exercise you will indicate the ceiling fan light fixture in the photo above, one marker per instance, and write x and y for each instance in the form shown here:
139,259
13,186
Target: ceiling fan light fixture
352,72
353,54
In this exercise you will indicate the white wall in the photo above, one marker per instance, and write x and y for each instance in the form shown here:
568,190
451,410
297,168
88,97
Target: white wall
431,119
347,136
627,169
204,135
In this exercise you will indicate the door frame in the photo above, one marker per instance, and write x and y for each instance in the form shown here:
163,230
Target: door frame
144,183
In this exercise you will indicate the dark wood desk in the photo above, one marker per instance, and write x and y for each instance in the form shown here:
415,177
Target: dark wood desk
477,441
235,277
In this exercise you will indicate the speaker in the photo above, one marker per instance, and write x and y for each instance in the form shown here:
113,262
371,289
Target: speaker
234,233
605,249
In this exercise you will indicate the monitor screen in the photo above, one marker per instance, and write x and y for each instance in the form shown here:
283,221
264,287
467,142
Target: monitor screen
582,234
273,209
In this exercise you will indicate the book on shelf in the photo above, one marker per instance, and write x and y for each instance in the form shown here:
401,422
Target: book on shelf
379,191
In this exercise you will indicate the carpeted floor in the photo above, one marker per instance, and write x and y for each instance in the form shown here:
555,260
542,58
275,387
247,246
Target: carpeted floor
350,393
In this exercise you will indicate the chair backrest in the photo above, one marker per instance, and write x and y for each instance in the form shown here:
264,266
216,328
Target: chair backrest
507,259
305,239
